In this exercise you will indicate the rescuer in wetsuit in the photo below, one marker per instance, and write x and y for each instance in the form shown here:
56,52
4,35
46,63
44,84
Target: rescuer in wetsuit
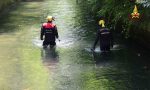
104,36
50,33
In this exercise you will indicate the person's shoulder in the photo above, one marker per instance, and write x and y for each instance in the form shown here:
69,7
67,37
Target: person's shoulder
44,24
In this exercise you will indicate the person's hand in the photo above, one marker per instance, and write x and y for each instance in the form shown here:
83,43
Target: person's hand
59,40
41,38
92,49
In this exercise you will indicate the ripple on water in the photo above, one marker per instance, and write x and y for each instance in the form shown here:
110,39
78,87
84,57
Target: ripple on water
97,49
65,43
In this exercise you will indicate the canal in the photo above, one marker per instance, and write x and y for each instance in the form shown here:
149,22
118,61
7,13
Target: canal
25,65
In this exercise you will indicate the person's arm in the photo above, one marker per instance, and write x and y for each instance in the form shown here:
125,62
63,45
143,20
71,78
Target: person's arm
56,33
42,33
96,40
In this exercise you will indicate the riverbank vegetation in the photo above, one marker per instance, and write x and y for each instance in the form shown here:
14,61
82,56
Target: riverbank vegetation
117,15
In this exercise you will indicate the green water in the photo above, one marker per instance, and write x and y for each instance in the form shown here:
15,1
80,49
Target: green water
24,65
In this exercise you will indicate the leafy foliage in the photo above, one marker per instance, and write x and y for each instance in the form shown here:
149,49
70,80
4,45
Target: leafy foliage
117,14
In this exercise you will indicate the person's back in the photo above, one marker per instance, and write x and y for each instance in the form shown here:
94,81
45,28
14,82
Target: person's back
105,39
104,36
49,30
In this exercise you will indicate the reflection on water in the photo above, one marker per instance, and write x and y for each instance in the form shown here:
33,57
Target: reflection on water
50,57
116,47
102,57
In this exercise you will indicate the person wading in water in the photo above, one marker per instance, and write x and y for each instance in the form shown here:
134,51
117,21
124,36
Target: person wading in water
104,36
50,33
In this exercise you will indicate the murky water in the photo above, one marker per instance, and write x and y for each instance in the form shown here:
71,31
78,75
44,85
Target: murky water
25,65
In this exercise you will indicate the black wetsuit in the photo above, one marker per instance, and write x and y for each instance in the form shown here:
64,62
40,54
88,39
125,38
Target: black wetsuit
106,40
49,30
